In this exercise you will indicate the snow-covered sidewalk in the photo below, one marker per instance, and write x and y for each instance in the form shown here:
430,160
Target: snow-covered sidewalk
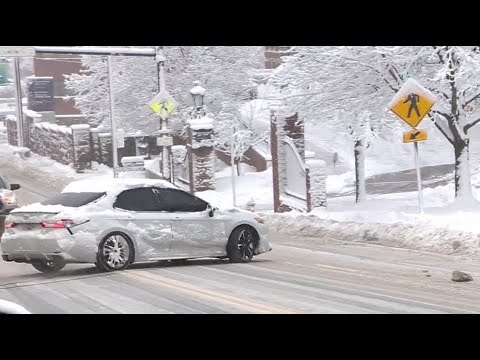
393,220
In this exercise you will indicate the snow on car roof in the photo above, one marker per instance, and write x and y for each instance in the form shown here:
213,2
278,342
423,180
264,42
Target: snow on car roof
113,185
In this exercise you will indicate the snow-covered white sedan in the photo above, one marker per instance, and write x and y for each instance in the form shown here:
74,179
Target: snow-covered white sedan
116,222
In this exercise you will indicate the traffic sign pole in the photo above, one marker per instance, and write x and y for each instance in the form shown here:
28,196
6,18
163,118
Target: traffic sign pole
419,179
411,103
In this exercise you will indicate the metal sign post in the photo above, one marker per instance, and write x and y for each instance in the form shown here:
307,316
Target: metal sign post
411,103
419,178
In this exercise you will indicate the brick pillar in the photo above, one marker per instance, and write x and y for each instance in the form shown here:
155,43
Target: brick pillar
81,147
294,128
279,168
274,152
201,154
316,184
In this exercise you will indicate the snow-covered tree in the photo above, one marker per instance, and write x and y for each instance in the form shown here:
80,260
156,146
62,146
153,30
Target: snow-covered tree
235,133
451,72
222,70
226,74
134,84
321,85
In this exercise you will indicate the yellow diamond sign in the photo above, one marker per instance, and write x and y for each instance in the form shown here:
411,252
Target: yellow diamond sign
412,102
163,105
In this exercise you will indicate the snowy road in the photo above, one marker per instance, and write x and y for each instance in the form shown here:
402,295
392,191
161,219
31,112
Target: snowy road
327,278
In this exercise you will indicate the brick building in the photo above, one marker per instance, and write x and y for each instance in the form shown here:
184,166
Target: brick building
274,54
57,65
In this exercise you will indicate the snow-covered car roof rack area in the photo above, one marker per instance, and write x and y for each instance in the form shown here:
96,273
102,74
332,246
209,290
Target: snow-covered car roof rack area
109,185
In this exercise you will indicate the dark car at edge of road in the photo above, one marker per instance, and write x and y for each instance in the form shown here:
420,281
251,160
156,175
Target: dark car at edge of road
8,200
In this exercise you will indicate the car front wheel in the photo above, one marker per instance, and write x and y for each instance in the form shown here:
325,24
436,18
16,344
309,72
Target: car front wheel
241,245
115,252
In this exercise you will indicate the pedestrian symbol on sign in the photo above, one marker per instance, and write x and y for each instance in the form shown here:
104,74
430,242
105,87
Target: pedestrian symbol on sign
414,99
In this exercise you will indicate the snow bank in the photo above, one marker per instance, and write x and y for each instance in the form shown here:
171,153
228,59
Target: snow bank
412,236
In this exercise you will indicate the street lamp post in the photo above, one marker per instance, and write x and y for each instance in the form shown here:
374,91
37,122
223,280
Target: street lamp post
198,94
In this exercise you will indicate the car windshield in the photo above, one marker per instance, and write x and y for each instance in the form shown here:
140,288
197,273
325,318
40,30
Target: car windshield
73,199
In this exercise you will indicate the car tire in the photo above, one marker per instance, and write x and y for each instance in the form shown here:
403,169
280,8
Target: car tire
49,267
241,244
115,252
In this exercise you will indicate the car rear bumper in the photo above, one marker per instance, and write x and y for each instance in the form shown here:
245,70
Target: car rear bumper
25,247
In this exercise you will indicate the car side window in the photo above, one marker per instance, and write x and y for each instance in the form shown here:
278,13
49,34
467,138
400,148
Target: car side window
140,199
173,200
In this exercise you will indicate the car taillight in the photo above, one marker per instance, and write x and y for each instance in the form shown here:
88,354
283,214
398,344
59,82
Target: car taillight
10,224
62,224
9,200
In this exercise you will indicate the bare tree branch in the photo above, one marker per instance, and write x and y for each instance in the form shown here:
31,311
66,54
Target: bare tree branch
470,125
443,131
476,96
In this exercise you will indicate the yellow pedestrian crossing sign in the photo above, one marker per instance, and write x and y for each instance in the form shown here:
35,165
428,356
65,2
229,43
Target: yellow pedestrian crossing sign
163,105
412,102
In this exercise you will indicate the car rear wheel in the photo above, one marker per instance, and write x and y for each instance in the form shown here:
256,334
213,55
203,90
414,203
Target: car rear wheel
241,245
115,252
49,266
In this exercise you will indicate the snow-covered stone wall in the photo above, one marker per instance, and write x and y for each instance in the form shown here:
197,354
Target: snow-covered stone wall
53,141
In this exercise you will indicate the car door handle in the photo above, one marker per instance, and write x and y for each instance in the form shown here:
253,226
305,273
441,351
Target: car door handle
176,218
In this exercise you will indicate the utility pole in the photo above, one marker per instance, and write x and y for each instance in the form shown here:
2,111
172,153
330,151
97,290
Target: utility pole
18,97
113,124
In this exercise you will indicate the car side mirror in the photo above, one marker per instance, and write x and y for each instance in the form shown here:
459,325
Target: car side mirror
14,186
211,210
